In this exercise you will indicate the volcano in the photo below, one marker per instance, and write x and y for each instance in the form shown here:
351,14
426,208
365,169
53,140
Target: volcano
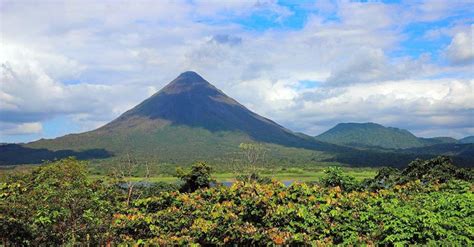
189,119
190,100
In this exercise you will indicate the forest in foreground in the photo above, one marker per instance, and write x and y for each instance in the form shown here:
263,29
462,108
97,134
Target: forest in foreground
428,202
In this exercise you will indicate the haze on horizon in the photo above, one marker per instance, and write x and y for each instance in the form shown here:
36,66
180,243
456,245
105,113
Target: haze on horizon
72,66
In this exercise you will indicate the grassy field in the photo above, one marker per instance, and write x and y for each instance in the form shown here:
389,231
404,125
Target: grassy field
281,174
300,176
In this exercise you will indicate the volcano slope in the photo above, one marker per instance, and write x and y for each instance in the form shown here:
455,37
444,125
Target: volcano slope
190,120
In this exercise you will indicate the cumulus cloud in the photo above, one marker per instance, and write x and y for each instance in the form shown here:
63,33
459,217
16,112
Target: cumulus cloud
418,105
461,49
372,65
21,129
29,93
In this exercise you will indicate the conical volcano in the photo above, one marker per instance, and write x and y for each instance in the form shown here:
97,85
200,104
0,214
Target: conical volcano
190,100
189,119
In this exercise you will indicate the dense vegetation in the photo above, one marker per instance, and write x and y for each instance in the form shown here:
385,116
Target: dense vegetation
468,139
376,135
429,202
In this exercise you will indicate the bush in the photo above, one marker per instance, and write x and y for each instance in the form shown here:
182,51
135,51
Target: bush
263,214
199,177
253,177
155,189
385,178
55,205
439,169
334,176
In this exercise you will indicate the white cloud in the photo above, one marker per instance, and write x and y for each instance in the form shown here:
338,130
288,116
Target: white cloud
20,129
461,49
429,10
119,52
29,93
418,105
372,65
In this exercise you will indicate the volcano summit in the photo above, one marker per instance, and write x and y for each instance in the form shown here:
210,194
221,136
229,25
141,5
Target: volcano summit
189,119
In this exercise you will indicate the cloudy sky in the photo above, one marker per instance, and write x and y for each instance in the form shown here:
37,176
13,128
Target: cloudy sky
71,66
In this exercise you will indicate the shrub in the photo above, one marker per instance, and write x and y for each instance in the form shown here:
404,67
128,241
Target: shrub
334,176
439,169
55,205
253,177
385,178
198,177
263,214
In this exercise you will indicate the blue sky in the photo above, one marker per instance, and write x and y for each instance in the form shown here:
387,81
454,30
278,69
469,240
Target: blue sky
306,64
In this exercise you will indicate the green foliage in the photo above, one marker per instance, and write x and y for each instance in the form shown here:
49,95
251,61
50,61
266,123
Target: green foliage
370,135
253,177
385,178
165,146
467,139
198,177
334,176
439,169
55,204
155,189
262,214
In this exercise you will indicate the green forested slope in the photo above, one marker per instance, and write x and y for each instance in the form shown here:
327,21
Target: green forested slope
468,139
370,134
376,135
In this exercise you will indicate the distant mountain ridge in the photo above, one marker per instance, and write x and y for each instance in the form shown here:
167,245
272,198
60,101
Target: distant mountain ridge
376,135
190,120
438,140
467,139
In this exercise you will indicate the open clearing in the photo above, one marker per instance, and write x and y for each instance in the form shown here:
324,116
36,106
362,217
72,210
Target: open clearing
303,176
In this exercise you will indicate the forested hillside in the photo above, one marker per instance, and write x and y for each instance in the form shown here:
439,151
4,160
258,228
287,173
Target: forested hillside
376,135
468,139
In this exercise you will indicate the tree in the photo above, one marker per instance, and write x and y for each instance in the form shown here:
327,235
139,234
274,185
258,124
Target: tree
198,177
253,154
123,175
439,169
56,204
334,176
385,178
